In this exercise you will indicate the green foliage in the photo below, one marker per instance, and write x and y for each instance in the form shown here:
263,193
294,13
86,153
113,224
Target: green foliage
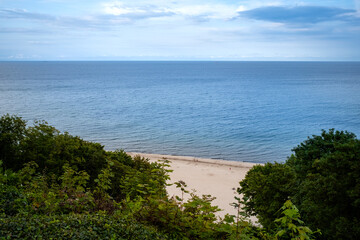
74,226
265,189
313,149
145,179
48,148
328,172
73,181
290,226
322,178
12,199
103,200
57,186
103,182
51,151
121,164
193,219
12,131
75,196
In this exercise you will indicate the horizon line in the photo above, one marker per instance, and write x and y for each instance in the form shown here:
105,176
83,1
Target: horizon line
172,60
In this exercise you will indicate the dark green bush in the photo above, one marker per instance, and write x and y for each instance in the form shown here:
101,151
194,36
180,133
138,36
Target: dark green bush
322,178
52,150
49,148
328,173
265,189
12,133
74,226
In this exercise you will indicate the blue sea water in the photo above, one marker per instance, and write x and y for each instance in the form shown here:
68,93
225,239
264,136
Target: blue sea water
242,111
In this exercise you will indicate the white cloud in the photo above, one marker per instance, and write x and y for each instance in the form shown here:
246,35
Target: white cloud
241,8
192,9
118,8
209,11
216,11
134,12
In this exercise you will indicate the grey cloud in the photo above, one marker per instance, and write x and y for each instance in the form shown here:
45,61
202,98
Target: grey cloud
100,22
23,30
59,21
300,14
20,13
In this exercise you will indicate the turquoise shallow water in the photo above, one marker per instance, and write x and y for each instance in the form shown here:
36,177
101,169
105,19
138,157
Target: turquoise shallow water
242,111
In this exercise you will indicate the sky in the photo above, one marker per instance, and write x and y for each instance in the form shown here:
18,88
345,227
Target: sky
242,30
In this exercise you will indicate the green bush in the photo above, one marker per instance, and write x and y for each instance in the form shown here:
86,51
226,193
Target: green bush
49,148
12,198
290,226
74,226
52,150
328,173
265,189
322,178
12,133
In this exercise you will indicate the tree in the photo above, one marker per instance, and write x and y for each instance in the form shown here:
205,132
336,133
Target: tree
322,178
48,147
265,189
12,132
328,175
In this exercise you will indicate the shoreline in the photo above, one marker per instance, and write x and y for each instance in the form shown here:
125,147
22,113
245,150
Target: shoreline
222,162
219,178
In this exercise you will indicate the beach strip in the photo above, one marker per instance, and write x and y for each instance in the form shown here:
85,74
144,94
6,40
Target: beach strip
219,178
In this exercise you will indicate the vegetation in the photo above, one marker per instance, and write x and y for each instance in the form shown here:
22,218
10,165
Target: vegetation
265,189
57,186
322,178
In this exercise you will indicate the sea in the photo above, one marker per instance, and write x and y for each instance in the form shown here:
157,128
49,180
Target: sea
238,111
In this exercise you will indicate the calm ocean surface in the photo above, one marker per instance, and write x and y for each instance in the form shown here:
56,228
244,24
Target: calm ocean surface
242,111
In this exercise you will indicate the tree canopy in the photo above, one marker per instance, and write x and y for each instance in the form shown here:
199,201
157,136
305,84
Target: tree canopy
322,178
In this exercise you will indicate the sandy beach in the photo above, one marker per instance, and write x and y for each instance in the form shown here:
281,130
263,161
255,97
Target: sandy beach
219,178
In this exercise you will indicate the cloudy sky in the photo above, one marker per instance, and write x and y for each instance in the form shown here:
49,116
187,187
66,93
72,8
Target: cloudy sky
180,30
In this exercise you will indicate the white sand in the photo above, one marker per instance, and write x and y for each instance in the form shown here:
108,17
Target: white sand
208,176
